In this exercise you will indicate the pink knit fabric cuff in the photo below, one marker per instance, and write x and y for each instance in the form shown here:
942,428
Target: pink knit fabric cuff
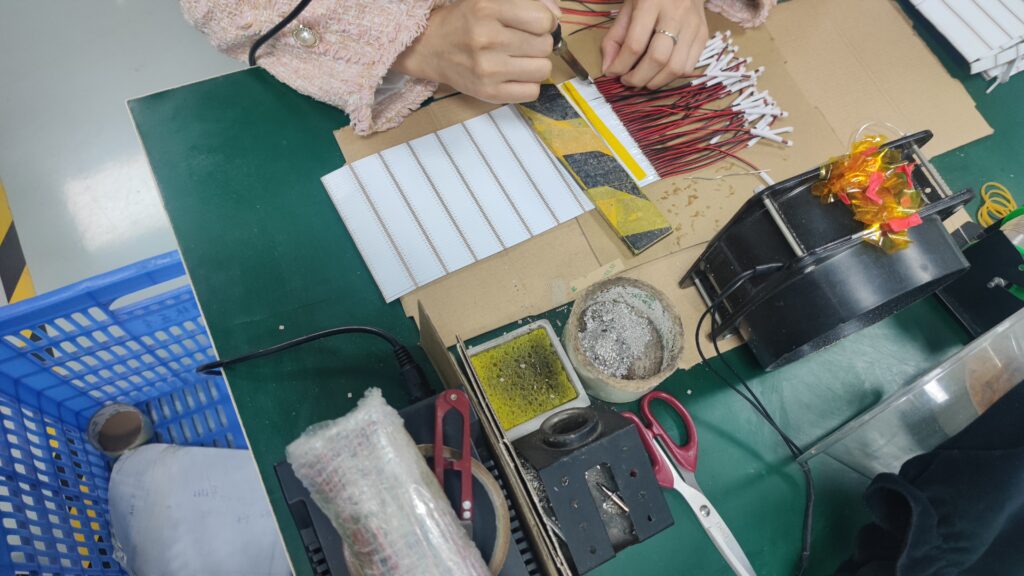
748,13
355,51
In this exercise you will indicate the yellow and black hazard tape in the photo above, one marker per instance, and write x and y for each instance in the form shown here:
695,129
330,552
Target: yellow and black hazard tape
14,274
632,215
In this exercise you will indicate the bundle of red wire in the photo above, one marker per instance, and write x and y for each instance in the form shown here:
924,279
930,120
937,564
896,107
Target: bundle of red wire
607,15
684,128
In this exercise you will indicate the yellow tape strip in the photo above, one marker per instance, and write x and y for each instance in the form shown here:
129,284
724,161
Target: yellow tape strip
5,213
24,289
599,126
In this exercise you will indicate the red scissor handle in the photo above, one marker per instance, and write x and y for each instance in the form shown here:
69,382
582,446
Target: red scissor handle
661,471
685,455
458,401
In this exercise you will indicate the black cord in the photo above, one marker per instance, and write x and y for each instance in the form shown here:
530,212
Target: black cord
439,98
412,374
755,402
589,26
796,451
277,28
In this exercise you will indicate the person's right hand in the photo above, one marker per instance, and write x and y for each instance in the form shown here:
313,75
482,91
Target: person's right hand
494,50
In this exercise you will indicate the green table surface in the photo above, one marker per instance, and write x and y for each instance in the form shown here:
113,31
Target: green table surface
238,160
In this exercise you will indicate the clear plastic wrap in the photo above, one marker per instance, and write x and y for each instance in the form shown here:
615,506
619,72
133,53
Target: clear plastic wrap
365,472
934,408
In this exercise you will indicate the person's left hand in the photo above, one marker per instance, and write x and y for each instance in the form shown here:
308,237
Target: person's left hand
636,50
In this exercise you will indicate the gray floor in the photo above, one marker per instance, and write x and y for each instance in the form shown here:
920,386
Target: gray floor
81,192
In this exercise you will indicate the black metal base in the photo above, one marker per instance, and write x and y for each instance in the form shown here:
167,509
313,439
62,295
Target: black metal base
581,455
980,299
828,282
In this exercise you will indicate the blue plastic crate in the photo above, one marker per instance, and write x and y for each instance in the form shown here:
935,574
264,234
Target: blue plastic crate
126,336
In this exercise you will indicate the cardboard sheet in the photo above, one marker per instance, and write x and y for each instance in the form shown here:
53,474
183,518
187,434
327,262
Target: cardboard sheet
830,84
526,279
861,61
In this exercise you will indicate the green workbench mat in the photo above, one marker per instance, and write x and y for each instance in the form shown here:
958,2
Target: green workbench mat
238,160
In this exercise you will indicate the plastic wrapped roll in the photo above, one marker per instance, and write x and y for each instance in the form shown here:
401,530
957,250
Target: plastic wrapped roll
366,473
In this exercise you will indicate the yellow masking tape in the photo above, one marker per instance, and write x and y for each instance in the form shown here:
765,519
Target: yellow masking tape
599,126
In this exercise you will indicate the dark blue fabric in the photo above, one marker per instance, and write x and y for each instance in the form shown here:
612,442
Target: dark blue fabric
958,509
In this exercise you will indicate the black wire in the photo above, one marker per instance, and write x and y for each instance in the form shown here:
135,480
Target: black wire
439,98
277,28
753,398
796,451
753,401
212,367
409,371
759,407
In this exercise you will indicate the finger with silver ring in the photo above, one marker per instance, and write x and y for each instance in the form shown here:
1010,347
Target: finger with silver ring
694,36
659,53
675,38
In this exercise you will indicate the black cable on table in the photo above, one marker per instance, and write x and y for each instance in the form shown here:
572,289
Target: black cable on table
277,28
409,370
755,402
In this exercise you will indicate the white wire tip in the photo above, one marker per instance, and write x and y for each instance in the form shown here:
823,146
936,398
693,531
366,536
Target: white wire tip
771,135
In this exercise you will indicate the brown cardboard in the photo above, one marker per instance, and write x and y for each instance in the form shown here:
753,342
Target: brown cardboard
834,65
861,61
437,352
528,278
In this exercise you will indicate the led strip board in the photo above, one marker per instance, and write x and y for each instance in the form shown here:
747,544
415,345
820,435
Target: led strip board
433,205
989,34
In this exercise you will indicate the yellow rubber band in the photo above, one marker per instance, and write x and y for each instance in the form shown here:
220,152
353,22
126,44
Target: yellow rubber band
997,203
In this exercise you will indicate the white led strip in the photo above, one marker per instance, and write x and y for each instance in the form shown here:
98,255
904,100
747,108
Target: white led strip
604,111
989,34
426,208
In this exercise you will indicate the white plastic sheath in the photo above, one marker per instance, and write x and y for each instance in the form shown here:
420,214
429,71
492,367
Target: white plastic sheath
758,108
768,135
365,472
749,92
714,45
735,85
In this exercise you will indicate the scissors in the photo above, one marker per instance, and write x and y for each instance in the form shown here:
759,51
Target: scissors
675,467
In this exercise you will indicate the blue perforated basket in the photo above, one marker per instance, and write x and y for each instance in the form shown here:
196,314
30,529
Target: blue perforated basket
132,335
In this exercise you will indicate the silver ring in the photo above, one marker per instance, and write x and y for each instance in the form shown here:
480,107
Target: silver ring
675,39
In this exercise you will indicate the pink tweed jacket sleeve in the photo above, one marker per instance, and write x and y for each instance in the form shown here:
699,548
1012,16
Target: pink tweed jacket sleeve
356,42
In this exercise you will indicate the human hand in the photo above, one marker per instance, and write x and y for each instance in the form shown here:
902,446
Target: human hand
636,50
495,50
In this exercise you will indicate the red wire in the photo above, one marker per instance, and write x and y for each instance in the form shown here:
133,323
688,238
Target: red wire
586,24
674,127
575,12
